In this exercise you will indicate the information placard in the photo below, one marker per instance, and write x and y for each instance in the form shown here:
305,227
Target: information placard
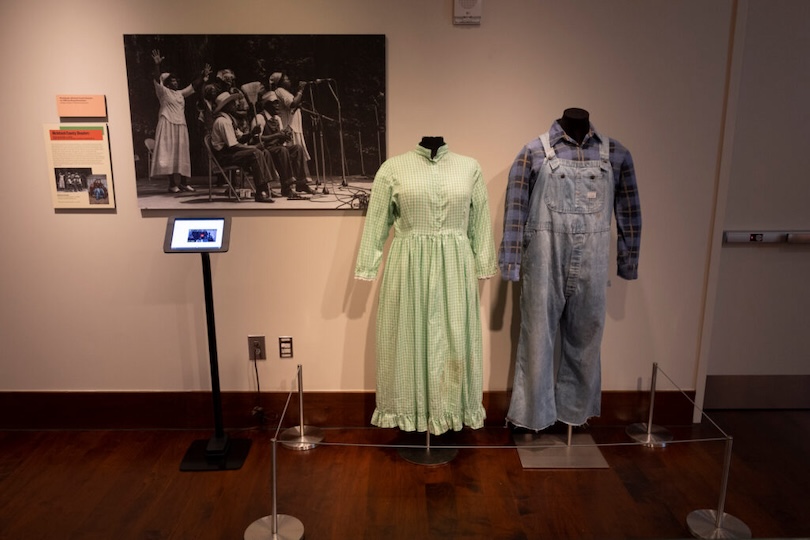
79,170
81,106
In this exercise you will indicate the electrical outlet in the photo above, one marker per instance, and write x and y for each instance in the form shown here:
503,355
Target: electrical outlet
285,347
256,348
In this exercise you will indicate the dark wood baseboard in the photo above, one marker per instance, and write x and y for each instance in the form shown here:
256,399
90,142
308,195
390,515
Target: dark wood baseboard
757,392
194,410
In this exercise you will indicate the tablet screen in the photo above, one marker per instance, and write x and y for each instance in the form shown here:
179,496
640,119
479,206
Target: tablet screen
195,235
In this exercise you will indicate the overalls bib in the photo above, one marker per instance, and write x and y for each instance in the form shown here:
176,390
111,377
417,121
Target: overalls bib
564,279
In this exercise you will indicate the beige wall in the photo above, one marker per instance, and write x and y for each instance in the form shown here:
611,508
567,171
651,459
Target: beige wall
84,310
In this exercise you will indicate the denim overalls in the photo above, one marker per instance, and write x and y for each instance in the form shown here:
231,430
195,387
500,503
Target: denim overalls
565,273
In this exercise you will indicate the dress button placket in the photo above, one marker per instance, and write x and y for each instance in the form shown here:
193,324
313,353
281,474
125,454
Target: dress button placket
436,195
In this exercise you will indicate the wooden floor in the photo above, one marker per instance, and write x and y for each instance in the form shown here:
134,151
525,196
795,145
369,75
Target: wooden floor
127,484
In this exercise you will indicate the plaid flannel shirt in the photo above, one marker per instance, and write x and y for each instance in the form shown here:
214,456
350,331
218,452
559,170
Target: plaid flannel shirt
523,175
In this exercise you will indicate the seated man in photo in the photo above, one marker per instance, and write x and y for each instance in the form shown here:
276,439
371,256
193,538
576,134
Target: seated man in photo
287,156
232,145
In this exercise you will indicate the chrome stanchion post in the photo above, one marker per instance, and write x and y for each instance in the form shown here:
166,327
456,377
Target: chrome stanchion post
649,434
275,526
301,437
716,523
274,489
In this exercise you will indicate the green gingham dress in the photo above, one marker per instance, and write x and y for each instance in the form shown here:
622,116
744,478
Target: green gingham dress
429,342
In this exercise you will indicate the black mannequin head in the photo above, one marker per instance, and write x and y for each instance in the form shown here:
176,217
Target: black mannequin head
576,123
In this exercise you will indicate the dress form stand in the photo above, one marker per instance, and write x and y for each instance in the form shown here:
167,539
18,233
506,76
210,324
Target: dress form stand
428,455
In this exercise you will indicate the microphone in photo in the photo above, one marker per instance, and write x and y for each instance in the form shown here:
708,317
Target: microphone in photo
318,81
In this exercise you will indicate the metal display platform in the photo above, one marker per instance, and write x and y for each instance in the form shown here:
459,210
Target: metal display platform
549,451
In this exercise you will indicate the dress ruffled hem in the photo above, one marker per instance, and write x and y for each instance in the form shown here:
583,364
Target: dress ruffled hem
435,425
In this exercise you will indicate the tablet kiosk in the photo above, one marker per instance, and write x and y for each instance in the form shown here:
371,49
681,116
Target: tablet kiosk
207,235
197,235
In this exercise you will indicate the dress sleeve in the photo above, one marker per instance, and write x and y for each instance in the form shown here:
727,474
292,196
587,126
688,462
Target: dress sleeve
379,218
480,229
515,213
161,92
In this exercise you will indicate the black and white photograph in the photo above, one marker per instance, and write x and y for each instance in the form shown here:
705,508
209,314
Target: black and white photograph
73,179
256,121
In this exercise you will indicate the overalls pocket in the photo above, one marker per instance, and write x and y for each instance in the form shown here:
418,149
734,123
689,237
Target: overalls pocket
576,191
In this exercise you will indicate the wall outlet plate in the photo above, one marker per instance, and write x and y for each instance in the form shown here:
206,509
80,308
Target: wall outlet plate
256,348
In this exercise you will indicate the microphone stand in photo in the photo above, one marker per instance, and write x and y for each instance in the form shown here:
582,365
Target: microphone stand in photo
340,131
379,132
317,131
317,120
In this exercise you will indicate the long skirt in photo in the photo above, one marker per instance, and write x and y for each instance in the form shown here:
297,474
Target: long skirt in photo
171,149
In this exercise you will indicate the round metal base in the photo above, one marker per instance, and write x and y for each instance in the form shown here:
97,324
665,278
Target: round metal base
428,456
289,528
298,439
703,524
657,437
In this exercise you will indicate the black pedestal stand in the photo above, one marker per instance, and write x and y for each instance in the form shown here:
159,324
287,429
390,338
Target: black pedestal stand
428,455
219,453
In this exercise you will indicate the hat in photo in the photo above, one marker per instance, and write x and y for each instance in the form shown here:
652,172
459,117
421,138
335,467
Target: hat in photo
269,96
223,99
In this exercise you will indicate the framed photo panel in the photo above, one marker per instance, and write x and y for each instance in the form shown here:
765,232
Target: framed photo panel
256,121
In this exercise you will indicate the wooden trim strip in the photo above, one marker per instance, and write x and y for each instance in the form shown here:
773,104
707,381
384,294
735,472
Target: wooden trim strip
193,410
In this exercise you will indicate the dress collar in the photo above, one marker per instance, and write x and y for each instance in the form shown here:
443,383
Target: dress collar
440,152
